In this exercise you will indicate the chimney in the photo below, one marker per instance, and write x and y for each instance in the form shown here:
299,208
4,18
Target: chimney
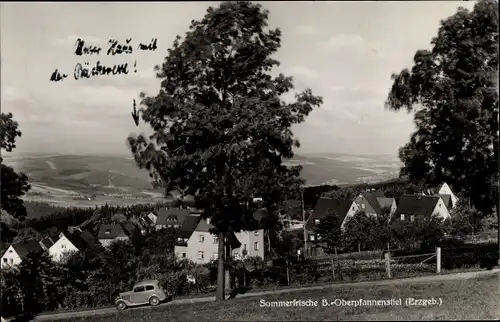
208,221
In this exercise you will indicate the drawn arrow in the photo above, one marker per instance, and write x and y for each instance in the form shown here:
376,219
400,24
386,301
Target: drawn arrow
135,115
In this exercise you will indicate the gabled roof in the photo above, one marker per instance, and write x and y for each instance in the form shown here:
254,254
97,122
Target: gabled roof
324,205
385,202
83,240
47,242
188,226
25,248
111,231
417,205
172,216
371,197
446,199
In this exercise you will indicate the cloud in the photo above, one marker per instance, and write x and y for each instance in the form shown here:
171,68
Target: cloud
10,94
307,30
302,71
349,41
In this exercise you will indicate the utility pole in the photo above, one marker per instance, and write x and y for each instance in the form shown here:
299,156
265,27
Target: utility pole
303,220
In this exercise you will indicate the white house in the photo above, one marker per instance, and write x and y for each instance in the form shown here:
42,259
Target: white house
70,243
412,206
62,247
15,254
446,190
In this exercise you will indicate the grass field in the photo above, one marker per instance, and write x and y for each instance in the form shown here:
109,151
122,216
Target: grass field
461,299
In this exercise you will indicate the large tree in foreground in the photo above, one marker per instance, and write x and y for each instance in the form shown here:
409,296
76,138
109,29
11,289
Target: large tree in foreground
14,185
453,90
221,129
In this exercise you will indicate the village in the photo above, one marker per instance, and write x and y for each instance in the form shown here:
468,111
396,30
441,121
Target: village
195,242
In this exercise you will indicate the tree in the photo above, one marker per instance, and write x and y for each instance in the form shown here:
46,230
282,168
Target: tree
14,185
330,232
38,280
221,129
453,90
465,220
357,231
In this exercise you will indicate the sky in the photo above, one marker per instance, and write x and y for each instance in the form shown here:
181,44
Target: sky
344,51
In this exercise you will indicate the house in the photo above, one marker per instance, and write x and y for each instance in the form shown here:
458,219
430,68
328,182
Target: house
72,242
184,233
196,243
47,242
15,254
446,190
411,206
109,233
151,217
343,208
140,225
374,202
171,218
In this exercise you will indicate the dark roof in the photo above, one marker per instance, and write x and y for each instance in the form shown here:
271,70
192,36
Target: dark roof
446,199
188,226
172,216
417,205
203,226
385,202
83,240
340,206
111,231
47,242
233,240
27,247
371,197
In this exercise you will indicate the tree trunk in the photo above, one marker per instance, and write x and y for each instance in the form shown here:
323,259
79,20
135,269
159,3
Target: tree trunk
220,268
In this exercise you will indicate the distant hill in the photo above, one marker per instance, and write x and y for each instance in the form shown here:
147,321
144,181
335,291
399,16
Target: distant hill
74,179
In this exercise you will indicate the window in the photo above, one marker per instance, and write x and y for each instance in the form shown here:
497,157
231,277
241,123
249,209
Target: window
402,216
12,261
63,246
311,237
200,254
139,289
202,238
316,221
439,205
412,218
363,205
256,233
216,240
244,246
10,251
149,287
183,255
179,239
256,246
5,260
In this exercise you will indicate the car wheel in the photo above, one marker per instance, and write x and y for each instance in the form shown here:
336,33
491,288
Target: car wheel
154,301
121,306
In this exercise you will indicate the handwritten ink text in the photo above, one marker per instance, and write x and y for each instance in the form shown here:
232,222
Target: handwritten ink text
85,50
56,76
117,49
151,46
87,72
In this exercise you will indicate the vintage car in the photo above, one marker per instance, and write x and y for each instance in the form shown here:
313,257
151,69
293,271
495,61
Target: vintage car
145,292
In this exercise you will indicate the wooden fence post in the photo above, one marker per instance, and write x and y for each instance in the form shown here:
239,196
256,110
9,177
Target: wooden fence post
438,260
387,264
